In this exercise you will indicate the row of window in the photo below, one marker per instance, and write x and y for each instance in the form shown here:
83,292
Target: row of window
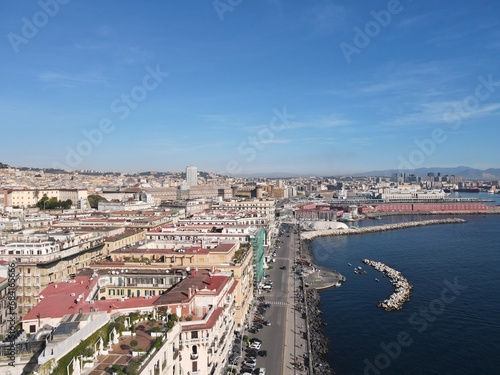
131,293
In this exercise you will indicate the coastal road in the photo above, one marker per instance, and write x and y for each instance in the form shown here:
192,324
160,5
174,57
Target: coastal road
273,336
284,338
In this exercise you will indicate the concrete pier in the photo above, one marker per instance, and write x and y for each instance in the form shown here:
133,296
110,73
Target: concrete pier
378,228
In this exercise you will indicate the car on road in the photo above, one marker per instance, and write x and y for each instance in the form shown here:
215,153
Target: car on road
262,371
262,353
252,352
283,268
256,345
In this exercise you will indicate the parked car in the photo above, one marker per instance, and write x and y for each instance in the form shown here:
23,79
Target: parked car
256,345
262,371
250,364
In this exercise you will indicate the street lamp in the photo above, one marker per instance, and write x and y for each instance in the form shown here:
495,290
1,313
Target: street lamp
234,361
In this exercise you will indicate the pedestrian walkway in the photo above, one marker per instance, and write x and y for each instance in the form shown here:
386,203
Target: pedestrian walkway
277,303
295,351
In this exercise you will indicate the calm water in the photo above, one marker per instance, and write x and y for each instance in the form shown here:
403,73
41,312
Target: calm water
457,334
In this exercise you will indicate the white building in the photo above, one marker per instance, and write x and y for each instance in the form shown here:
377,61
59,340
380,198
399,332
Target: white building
191,176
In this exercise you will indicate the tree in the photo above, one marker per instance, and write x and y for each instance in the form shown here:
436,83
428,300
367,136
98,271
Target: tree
47,203
94,200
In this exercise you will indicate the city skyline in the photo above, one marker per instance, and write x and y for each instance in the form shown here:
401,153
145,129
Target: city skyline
316,89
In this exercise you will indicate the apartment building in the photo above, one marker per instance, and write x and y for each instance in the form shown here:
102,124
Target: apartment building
29,197
48,258
150,269
206,303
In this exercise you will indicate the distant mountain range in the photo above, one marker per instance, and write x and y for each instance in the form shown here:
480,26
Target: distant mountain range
465,172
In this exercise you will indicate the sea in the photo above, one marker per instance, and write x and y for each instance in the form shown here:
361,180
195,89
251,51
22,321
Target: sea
450,325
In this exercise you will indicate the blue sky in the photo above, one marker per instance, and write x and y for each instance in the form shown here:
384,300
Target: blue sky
313,87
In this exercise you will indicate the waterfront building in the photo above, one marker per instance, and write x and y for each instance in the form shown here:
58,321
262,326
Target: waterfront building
316,212
412,194
450,206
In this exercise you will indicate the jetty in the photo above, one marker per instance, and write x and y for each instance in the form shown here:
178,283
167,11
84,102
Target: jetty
402,287
309,235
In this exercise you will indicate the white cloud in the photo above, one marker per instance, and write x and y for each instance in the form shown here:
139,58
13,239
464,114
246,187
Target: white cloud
68,80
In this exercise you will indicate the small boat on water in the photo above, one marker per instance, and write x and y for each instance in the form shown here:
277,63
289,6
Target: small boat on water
377,280
349,264
359,267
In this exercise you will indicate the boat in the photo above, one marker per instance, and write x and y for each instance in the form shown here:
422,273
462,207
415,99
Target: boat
359,267
349,264
377,280
468,190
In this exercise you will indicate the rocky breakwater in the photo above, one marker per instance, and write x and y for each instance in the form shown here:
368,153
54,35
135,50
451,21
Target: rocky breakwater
318,343
377,228
402,287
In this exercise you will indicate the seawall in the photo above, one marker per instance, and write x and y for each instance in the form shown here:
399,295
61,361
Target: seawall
377,228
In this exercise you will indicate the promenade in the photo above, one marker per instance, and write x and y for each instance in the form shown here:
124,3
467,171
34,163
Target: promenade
296,349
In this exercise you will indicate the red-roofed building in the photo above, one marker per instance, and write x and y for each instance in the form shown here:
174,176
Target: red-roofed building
42,260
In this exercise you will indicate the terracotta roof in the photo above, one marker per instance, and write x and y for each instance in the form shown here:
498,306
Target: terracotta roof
199,280
58,302
209,324
60,298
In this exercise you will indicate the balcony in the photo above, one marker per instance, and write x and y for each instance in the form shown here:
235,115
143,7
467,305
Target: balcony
199,340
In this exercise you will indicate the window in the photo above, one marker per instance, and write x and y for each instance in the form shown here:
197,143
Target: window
194,335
